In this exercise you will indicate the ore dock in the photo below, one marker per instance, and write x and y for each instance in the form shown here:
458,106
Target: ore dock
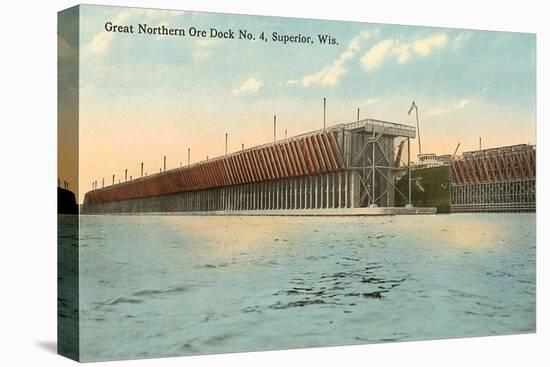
346,169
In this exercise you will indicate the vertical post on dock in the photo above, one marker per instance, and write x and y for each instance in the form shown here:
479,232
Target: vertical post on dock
373,192
141,169
188,156
164,163
324,114
274,128
358,110
113,179
125,175
103,182
409,169
226,143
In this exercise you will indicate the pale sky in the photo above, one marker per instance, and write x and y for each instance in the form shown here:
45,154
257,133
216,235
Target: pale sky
143,97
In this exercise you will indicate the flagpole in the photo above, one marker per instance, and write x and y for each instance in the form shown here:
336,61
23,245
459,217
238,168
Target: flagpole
418,129
413,105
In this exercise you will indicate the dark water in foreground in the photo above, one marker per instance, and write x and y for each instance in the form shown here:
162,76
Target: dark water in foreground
173,285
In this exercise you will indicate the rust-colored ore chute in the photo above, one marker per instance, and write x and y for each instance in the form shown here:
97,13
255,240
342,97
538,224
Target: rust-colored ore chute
345,166
495,180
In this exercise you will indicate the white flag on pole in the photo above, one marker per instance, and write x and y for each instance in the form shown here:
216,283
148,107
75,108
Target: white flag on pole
413,106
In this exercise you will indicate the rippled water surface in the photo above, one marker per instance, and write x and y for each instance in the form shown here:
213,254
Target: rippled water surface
178,285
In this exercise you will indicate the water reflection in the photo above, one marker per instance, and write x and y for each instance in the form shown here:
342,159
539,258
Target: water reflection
167,285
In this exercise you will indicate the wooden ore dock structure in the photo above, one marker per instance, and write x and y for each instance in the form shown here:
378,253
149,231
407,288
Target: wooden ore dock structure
346,169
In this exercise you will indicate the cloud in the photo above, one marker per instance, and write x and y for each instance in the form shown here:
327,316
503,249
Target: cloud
101,42
369,101
292,82
436,112
201,55
461,38
374,57
203,48
249,86
401,51
425,46
331,74
461,104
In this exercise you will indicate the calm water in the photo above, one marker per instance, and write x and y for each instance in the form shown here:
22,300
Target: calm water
173,285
